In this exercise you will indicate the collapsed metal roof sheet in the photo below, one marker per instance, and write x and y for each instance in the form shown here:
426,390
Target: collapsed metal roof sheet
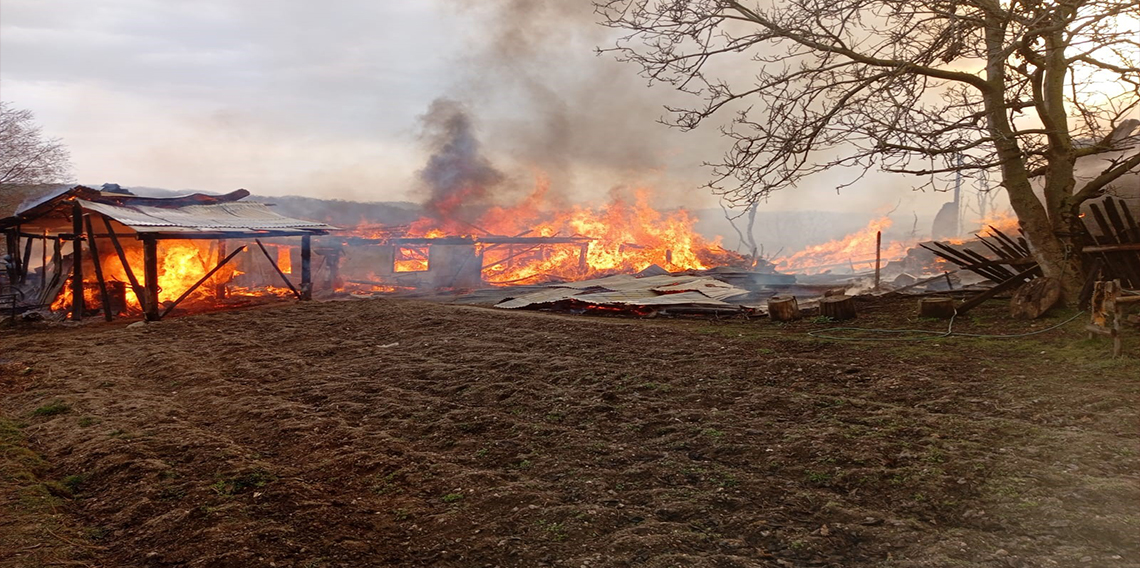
220,216
626,290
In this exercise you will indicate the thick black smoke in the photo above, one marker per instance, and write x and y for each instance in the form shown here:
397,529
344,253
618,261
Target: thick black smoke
458,177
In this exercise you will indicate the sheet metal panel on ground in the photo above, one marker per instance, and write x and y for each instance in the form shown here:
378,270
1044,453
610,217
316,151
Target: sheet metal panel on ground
625,290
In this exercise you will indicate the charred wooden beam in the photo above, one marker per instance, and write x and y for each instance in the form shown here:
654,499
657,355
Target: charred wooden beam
273,263
27,260
150,278
103,295
77,263
200,281
138,289
306,268
43,261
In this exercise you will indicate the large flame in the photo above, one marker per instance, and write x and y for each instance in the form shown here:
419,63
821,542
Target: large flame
181,264
621,236
855,251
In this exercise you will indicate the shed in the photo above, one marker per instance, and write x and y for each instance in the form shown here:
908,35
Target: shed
112,220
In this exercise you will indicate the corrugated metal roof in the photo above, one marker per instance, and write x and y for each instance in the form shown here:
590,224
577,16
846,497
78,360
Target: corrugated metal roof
623,289
221,216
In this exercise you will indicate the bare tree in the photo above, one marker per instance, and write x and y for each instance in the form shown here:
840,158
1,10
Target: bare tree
26,157
1022,89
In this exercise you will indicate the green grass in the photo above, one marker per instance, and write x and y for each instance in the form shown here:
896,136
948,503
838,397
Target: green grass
52,408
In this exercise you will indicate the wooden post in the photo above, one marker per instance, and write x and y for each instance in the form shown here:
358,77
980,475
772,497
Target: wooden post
839,307
140,294
150,277
57,260
27,259
77,265
220,287
103,295
306,267
783,308
583,262
878,257
43,261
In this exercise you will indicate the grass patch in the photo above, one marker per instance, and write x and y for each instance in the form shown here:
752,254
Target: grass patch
52,408
230,486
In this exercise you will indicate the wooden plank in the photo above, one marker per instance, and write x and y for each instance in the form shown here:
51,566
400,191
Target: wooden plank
273,263
140,295
103,295
27,259
77,262
306,268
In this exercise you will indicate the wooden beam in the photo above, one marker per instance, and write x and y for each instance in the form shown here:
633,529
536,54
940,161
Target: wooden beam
24,264
43,261
273,263
135,286
306,267
200,281
196,236
77,265
150,278
1112,248
103,295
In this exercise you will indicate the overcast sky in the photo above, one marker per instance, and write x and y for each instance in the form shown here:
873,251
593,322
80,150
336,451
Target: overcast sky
323,98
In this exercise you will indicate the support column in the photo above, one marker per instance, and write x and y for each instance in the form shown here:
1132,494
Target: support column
77,265
220,285
150,275
306,267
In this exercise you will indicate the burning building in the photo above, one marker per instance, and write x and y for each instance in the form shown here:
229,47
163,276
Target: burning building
85,251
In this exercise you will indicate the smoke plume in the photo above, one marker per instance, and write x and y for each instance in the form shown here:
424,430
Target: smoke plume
458,177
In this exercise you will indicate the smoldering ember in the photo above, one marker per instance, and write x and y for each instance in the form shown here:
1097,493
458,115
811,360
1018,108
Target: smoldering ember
896,323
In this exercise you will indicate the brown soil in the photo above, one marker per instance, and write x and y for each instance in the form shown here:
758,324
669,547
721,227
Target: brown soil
401,433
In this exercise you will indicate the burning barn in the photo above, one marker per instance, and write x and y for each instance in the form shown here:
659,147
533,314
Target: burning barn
84,251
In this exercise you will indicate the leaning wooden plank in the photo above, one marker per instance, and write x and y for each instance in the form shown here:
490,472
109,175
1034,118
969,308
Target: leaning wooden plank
191,289
963,261
1019,247
278,270
103,295
1001,287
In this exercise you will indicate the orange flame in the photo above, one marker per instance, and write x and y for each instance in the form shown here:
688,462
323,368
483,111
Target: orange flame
620,236
181,264
856,251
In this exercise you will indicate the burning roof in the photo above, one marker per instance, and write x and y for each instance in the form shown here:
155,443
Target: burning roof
192,213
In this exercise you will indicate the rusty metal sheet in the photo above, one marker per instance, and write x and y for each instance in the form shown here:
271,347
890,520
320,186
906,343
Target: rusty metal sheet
547,296
221,216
